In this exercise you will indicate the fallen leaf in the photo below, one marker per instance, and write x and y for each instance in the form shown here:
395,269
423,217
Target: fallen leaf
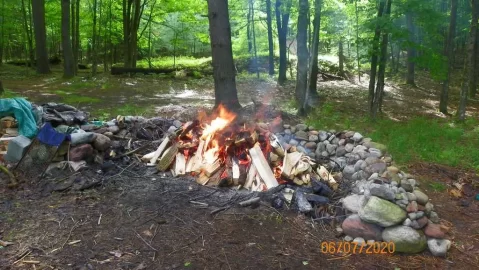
455,193
187,264
305,262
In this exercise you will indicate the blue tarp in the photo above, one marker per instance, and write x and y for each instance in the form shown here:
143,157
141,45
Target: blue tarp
48,135
22,110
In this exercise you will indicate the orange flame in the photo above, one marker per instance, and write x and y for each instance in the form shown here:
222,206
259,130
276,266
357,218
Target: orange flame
224,118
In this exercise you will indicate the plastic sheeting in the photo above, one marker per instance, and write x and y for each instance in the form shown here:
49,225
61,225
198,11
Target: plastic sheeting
22,110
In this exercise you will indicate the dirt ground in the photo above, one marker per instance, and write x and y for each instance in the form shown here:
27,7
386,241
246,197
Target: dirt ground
149,223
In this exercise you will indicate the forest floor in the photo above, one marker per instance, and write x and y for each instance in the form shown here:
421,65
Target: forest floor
142,224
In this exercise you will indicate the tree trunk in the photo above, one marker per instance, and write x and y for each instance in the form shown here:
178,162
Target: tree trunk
1,86
313,77
341,58
38,8
76,52
448,53
222,55
132,10
73,35
378,95
270,38
374,58
2,36
256,63
68,67
411,50
248,28
283,8
357,39
93,43
469,64
26,16
302,54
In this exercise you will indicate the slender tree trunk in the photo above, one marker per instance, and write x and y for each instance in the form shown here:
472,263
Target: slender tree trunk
469,64
76,52
313,78
357,39
73,35
448,53
98,38
132,10
109,34
393,61
302,54
256,63
411,50
270,38
38,8
222,55
341,58
26,16
1,86
283,8
248,28
2,35
68,67
374,58
93,43
378,95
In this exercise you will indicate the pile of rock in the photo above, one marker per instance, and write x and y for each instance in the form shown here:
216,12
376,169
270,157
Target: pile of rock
385,203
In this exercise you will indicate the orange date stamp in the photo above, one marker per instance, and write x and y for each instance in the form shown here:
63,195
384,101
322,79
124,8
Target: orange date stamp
355,248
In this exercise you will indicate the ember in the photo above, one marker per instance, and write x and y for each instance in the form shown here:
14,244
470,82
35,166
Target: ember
220,151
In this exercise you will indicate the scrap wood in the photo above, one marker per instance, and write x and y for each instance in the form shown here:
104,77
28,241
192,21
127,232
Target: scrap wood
160,150
133,151
264,170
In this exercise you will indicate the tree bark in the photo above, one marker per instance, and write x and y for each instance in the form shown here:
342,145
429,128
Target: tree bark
378,95
38,9
469,64
248,28
93,43
358,58
302,54
68,66
2,28
313,77
31,55
341,58
76,51
132,10
270,38
1,88
448,53
222,55
283,8
374,58
411,50
256,63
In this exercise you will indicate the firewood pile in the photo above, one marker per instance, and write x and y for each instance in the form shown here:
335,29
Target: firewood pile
221,151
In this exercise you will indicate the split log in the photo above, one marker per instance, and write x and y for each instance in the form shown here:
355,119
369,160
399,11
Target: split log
202,179
235,169
263,167
326,176
167,158
289,162
160,150
251,176
277,147
212,168
180,165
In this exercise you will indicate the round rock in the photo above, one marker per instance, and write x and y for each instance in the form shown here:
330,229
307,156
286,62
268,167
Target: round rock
406,239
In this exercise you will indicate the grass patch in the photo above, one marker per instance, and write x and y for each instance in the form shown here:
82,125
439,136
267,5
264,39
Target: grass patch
169,62
418,139
10,94
438,187
128,109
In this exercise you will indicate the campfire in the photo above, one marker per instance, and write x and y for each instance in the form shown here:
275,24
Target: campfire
219,150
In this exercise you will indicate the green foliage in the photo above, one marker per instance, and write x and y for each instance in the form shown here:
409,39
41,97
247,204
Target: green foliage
418,139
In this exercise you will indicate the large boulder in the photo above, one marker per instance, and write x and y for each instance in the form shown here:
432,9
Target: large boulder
405,239
355,227
382,212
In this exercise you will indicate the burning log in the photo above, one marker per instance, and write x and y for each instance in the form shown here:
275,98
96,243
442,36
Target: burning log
263,167
252,172
212,168
167,158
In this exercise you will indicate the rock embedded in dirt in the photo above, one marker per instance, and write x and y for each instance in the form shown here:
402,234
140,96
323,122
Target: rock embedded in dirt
406,239
81,152
421,197
355,227
406,185
438,247
101,142
382,212
420,223
434,217
434,231
354,202
301,127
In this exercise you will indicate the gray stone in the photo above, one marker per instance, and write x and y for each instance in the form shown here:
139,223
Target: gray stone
379,146
407,222
349,147
301,135
348,238
434,217
101,142
293,129
322,136
313,138
352,158
359,148
413,182
313,132
287,126
394,183
342,142
331,148
401,190
429,207
419,223
373,176
372,160
406,185
382,192
172,129
438,247
349,134
301,127
325,154
302,203
113,129
301,149
376,168
411,196
412,216
363,154
421,197
359,175
358,165
406,239
335,141
348,171
357,137
293,142
310,145
382,212
340,151
354,202
288,132
355,227
375,152
320,147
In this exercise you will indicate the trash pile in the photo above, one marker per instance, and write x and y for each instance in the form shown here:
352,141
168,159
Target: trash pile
328,175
